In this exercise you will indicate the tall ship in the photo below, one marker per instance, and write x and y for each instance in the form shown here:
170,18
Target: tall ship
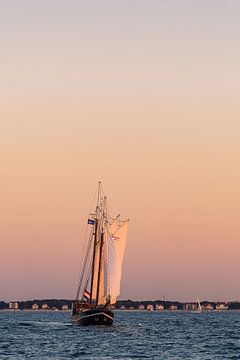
101,268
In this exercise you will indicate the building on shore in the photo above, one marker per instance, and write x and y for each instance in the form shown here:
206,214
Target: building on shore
159,307
150,307
64,307
208,307
221,307
173,307
45,307
13,305
141,307
35,307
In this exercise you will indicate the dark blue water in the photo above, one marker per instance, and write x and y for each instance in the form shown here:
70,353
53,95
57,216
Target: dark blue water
135,335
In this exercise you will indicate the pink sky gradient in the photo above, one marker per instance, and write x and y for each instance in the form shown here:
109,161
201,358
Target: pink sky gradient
144,96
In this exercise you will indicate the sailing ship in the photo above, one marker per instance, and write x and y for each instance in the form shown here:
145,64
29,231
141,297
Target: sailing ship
199,307
100,277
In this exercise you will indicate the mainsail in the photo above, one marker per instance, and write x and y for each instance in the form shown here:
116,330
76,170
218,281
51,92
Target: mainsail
117,236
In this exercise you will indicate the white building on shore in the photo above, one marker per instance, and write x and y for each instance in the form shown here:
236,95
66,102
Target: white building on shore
45,307
221,307
208,307
13,305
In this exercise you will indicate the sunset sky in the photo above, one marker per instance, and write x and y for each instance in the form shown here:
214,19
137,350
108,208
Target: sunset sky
143,95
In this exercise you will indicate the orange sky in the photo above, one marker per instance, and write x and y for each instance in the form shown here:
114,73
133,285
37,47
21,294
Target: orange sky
143,96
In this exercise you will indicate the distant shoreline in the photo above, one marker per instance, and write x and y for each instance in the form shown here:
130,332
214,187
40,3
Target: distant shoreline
158,305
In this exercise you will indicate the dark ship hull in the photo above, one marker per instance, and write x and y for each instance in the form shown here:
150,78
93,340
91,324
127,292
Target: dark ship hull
95,316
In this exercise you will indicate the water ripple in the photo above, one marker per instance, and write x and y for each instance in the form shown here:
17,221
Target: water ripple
135,335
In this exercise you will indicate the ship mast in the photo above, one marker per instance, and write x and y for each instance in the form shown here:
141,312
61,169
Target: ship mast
100,269
95,240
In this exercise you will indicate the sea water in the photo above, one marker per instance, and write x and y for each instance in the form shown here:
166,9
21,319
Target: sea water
134,335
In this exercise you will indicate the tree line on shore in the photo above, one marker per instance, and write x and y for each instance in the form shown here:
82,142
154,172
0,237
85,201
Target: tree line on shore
121,304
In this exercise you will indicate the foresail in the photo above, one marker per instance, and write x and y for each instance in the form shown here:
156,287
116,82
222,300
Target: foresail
117,234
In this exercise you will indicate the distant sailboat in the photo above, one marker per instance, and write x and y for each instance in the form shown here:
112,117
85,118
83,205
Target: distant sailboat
101,271
199,307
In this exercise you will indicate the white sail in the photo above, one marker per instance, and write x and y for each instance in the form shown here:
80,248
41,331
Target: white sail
199,305
117,234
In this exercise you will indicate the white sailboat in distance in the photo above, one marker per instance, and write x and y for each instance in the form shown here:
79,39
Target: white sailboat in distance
199,307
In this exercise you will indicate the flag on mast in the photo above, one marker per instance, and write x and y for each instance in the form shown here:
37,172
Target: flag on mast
86,295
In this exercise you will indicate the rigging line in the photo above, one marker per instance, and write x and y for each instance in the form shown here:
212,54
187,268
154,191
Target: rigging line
84,264
105,250
106,265
85,245
83,285
106,207
86,281
93,200
93,258
84,248
101,228
101,189
86,223
99,268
